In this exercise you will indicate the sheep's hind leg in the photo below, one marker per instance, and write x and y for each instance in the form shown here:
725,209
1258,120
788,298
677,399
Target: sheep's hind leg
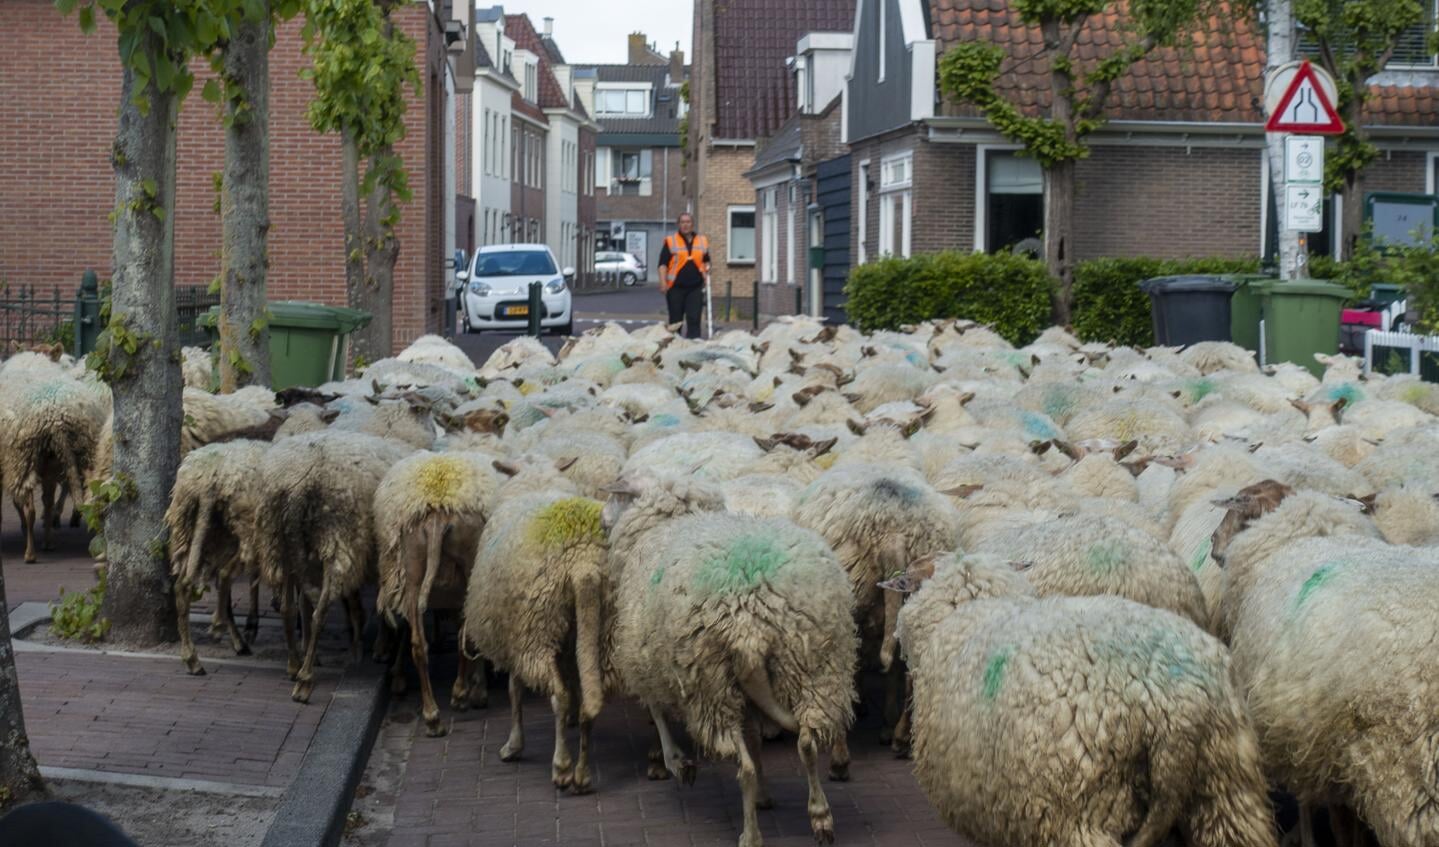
754,737
26,508
562,766
48,518
821,819
682,767
287,618
252,619
182,622
355,614
515,744
839,759
305,679
749,788
227,617
420,653
582,784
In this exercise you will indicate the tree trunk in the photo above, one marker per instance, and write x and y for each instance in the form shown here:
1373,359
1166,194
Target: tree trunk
354,228
1058,236
19,776
1352,222
382,249
244,335
147,394
1280,46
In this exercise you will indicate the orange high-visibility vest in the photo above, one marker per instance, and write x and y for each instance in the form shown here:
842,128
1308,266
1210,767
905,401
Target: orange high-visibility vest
679,254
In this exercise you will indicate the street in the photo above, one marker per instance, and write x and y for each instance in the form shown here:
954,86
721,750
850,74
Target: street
630,307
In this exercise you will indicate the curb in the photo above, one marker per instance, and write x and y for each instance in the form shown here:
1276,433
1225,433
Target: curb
317,801
623,289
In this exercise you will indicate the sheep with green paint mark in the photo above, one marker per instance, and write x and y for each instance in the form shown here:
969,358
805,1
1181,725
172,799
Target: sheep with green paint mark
722,618
429,511
1073,720
534,608
1087,555
1332,632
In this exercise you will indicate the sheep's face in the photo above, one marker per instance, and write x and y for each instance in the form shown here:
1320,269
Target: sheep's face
622,494
1242,509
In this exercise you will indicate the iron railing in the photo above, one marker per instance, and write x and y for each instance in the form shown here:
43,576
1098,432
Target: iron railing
31,315
192,302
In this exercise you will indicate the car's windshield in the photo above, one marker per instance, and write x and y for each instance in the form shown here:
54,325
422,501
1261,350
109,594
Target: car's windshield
515,263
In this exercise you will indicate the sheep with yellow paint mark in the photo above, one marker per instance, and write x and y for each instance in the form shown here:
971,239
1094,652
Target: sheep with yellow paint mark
430,509
1332,633
534,608
721,618
1086,721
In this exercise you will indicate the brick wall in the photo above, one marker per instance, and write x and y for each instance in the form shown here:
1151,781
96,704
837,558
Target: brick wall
1398,170
725,185
666,198
58,94
527,202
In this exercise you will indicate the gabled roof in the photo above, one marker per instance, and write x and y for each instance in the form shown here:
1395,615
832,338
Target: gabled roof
552,50
654,74
786,145
518,27
482,56
1216,76
752,38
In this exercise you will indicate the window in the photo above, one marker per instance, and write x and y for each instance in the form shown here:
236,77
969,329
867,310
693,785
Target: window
622,101
514,153
769,237
789,235
801,73
602,170
741,235
502,165
1411,48
489,142
863,211
1012,207
631,170
532,82
895,204
515,262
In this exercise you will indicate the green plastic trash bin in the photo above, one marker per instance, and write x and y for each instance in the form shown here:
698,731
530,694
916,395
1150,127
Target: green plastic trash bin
309,342
1301,318
1244,309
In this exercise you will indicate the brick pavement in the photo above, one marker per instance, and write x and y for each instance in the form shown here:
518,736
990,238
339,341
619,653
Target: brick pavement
456,791
144,715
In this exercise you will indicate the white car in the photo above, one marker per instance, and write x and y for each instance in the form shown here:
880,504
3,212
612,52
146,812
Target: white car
630,268
497,284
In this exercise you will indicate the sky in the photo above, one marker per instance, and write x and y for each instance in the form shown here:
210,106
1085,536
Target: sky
593,32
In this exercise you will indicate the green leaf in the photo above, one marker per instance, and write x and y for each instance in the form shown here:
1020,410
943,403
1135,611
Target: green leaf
87,19
150,188
65,6
211,91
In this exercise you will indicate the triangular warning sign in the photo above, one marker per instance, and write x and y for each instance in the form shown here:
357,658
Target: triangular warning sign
1305,107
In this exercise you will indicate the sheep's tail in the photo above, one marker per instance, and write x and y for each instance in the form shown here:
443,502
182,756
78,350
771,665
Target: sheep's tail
190,576
435,526
893,561
754,681
1231,805
587,594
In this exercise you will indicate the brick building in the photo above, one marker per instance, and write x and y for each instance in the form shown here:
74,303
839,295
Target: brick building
58,95
1178,170
740,95
639,168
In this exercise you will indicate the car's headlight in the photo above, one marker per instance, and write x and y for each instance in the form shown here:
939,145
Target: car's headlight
556,285
479,288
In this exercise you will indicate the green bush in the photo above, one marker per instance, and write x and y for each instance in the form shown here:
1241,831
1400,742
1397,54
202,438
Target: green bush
77,614
1008,292
1108,305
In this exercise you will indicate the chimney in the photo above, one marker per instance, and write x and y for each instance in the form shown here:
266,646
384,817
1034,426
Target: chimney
677,65
549,26
637,48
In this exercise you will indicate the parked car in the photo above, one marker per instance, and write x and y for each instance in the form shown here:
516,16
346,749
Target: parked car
497,285
627,265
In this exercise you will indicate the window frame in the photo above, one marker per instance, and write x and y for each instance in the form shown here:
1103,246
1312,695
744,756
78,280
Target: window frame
862,254
729,232
981,191
769,235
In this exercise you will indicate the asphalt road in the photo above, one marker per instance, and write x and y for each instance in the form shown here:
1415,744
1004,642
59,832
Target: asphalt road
631,307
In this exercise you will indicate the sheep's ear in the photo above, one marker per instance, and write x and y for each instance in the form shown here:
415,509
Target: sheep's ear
1039,448
686,364
795,356
637,419
1019,566
778,381
1138,466
506,468
962,491
329,415
564,463
756,408
1366,503
822,447
1255,446
1125,449
762,348
912,578
965,398
844,379
372,400
767,444
852,398
1070,450
626,359
855,426
1237,503
1301,406
1338,405
1117,389
621,488
912,427
797,369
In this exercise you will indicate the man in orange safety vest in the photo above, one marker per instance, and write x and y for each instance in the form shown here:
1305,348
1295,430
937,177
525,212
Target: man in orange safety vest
684,273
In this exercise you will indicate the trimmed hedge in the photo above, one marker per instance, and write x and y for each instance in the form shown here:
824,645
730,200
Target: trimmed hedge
1108,305
1010,293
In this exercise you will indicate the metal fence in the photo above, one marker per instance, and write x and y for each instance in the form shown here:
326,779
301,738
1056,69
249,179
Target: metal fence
33,315
598,281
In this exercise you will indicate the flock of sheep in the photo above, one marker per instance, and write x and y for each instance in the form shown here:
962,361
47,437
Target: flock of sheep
1114,593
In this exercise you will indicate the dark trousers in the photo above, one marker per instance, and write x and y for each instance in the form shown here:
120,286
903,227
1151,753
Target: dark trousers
689,304
58,824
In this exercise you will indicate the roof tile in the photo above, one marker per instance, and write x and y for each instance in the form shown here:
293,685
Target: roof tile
518,27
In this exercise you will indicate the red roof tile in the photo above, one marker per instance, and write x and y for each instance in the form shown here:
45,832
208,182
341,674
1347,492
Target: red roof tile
1217,77
518,27
752,38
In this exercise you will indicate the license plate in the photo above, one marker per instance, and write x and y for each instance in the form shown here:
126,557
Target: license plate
516,311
